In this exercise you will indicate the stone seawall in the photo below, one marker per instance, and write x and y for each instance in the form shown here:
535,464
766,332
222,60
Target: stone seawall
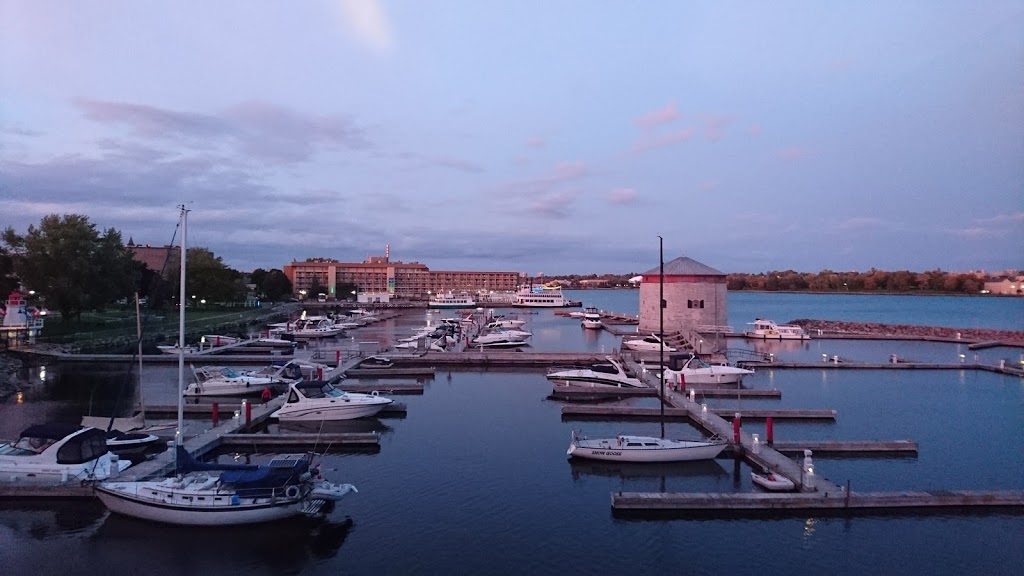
1009,337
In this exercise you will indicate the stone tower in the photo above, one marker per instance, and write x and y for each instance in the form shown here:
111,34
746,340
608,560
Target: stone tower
695,295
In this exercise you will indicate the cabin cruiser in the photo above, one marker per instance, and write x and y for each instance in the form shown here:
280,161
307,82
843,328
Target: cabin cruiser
692,370
309,328
375,362
652,343
58,453
501,323
225,381
768,330
592,319
609,374
321,401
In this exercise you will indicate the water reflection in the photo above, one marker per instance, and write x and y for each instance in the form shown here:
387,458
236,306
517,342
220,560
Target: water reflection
277,547
357,426
629,470
43,519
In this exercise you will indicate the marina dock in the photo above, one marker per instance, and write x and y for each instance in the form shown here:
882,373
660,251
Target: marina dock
814,502
677,414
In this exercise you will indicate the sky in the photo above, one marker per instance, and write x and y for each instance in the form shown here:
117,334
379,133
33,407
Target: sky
543,137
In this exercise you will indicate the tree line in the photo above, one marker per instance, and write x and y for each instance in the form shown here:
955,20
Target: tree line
73,267
901,281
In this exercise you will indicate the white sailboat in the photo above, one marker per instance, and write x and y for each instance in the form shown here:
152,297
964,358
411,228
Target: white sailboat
221,495
625,448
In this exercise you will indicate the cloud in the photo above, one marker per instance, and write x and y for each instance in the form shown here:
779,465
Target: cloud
979,233
622,196
548,195
754,129
553,204
860,224
708,185
367,21
257,129
792,153
648,143
714,127
456,164
1000,219
658,117
536,142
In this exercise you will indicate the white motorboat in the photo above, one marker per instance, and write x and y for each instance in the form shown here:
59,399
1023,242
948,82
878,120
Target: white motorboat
609,374
309,329
592,319
321,401
226,495
501,339
225,381
58,453
174,349
504,343
624,448
771,481
376,362
768,330
450,300
692,370
652,343
219,495
503,323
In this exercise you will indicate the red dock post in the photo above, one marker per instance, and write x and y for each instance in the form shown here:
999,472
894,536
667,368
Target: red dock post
248,412
736,429
320,374
215,411
337,357
682,382
769,430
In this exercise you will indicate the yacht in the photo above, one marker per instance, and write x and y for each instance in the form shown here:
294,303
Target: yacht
224,381
768,330
592,319
58,453
652,343
692,370
609,374
321,401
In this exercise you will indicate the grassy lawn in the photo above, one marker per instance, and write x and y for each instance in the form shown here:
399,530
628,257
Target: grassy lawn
118,323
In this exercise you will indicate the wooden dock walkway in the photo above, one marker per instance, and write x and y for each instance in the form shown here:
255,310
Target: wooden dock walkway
850,448
582,390
815,502
323,441
676,414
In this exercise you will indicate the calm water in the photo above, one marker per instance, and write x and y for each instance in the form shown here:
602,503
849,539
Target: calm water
475,481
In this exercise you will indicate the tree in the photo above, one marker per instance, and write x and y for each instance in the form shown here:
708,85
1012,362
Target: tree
69,263
8,280
275,285
208,278
257,277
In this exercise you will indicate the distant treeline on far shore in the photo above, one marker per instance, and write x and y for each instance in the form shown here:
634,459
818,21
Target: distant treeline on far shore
902,281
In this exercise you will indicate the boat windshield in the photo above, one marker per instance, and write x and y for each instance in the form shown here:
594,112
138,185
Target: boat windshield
33,445
328,391
229,373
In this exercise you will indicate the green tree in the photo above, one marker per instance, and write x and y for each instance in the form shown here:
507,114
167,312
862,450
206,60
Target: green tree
208,278
70,264
8,280
275,285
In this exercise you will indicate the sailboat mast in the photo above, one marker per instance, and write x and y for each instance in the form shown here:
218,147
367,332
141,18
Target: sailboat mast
138,337
181,333
661,326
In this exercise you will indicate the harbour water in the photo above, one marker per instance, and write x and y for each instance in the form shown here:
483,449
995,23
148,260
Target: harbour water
474,479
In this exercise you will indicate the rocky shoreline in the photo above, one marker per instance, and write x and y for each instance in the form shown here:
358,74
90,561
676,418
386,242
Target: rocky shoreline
1007,337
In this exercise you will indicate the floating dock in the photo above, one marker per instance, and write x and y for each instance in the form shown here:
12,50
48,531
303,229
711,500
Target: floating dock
812,503
634,413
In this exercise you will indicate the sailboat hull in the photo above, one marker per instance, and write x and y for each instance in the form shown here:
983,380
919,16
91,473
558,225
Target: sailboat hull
151,501
643,449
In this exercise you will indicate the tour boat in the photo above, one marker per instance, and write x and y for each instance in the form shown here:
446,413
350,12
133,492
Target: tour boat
652,343
528,297
692,370
450,300
321,401
59,453
592,319
768,330
771,481
608,374
623,448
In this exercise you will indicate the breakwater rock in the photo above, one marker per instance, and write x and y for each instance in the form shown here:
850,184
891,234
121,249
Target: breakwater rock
1008,337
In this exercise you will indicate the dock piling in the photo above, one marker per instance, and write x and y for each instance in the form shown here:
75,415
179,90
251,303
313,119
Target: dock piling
769,430
215,414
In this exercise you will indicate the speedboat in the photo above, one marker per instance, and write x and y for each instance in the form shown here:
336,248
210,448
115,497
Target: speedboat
310,328
624,448
58,453
376,362
768,330
224,381
652,343
692,370
501,339
772,481
592,319
321,401
500,323
213,494
608,374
